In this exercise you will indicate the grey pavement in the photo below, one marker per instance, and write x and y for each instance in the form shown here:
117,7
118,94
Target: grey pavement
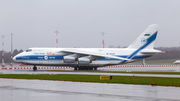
37,90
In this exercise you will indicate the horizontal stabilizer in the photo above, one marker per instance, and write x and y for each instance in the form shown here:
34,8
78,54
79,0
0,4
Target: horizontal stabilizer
152,51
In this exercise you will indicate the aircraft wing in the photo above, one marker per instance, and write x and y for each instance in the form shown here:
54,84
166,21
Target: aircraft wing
89,53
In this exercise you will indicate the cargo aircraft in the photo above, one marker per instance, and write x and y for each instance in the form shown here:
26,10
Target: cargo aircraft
92,58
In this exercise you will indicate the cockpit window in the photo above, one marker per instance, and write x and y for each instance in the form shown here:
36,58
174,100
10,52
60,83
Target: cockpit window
28,50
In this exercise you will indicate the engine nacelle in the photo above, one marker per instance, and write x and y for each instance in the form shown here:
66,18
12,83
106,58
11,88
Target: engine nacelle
69,59
84,61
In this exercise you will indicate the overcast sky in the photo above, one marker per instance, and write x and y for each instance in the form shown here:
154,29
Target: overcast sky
81,22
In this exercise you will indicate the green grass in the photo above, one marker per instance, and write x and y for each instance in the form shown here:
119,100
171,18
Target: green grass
161,81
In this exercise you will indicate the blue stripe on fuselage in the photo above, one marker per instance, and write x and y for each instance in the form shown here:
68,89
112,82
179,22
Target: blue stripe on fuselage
60,57
40,57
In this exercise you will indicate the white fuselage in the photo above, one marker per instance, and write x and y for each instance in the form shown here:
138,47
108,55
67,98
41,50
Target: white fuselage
142,47
54,56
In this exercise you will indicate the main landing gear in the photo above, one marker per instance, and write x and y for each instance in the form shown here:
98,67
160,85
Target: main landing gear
85,68
34,68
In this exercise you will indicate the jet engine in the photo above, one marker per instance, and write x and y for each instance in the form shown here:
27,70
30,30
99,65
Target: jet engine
69,59
84,61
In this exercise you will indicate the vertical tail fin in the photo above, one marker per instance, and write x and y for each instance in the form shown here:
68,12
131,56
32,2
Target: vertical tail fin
147,38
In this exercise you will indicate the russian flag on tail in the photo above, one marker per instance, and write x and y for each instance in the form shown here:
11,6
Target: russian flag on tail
146,34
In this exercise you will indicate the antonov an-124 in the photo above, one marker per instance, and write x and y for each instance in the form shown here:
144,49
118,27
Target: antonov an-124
92,58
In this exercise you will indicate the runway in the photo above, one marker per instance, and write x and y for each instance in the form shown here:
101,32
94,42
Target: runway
81,73
144,69
37,90
128,69
141,68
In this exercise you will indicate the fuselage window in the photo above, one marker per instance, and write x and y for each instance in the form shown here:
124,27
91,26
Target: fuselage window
28,50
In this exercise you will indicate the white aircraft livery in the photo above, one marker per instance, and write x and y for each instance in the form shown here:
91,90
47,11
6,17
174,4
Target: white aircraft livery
92,58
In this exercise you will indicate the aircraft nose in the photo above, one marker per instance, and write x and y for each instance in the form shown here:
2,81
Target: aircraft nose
14,58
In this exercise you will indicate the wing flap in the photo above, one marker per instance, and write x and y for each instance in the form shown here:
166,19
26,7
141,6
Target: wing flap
82,52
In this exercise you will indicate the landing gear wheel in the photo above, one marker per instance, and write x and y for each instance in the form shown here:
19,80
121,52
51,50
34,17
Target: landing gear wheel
91,68
95,68
34,68
85,68
79,68
75,68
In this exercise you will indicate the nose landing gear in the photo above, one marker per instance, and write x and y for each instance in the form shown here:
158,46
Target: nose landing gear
34,68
